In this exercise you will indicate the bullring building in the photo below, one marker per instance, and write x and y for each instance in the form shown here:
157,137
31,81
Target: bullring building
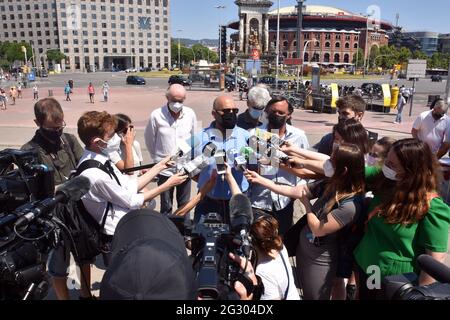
330,36
93,34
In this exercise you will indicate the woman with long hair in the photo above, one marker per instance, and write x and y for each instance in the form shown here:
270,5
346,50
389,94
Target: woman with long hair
406,217
272,261
322,240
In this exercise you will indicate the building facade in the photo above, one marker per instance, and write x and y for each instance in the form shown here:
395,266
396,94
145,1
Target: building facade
94,35
428,40
444,43
330,36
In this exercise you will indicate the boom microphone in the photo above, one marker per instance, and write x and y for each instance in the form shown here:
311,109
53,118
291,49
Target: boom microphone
72,190
434,268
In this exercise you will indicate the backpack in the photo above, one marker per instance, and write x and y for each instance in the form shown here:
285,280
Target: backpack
87,238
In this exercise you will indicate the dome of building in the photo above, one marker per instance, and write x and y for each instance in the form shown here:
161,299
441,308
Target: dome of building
314,10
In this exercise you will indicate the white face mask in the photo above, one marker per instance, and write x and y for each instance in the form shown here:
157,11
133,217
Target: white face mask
328,169
255,113
175,107
371,161
389,173
113,145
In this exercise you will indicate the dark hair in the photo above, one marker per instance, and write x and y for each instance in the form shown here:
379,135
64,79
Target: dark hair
386,143
48,109
122,122
277,99
349,179
264,232
352,131
94,124
353,102
408,202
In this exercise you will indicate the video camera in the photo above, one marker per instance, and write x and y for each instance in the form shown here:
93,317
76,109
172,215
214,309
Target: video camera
212,241
28,229
404,287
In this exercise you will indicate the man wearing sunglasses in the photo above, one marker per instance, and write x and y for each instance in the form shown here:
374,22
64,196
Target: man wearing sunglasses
227,137
433,128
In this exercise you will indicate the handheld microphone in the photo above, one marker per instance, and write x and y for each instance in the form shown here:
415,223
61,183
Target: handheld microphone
220,158
434,268
182,150
72,190
209,150
194,167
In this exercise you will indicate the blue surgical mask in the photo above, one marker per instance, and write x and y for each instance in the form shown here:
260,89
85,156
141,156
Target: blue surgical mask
390,173
255,113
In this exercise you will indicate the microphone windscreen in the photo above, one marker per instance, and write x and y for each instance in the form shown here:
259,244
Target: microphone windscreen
241,212
75,188
434,268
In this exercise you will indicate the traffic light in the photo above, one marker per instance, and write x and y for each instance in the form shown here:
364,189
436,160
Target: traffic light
223,43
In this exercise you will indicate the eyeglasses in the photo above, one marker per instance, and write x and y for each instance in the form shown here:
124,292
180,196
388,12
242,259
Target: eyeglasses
221,112
125,130
62,126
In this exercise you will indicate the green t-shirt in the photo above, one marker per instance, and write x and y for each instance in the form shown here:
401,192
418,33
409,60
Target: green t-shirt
395,247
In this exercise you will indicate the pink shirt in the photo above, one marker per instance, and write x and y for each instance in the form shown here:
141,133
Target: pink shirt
91,89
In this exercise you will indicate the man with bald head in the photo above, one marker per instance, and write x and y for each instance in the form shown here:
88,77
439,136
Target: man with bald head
168,125
230,138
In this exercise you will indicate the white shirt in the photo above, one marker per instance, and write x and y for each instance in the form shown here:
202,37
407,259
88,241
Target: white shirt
105,189
120,155
275,279
433,132
163,132
261,197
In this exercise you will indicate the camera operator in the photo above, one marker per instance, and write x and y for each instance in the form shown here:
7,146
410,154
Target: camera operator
113,194
150,245
272,263
61,152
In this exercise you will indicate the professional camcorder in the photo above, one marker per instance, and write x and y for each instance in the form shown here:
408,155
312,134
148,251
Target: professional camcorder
212,241
404,287
28,228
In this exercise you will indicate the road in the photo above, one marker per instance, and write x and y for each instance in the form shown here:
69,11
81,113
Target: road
17,126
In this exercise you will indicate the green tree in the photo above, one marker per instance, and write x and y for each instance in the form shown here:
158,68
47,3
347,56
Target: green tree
439,60
55,55
12,51
359,58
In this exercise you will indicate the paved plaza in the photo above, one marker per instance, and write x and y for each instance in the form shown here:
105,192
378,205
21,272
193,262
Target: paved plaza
17,125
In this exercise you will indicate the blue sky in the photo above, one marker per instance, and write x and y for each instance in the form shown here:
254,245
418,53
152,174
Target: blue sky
198,19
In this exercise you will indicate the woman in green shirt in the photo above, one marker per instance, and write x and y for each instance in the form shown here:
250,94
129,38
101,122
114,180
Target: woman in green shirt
406,217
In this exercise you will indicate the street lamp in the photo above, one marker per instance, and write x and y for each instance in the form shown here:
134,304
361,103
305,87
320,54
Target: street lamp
179,55
277,45
306,46
220,32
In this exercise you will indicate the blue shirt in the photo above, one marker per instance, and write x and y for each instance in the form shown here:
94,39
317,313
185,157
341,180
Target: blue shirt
235,142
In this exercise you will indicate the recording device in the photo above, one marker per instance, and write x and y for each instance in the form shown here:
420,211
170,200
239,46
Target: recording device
28,227
405,286
212,241
183,149
195,166
30,180
220,157
266,152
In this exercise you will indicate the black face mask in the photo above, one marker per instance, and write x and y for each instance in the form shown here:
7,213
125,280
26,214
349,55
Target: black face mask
228,120
54,136
437,116
276,122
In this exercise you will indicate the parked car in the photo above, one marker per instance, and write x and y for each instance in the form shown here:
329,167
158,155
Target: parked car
374,90
136,80
436,78
178,79
130,70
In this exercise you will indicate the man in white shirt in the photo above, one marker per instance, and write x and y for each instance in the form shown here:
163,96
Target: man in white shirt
113,193
167,125
433,127
278,110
